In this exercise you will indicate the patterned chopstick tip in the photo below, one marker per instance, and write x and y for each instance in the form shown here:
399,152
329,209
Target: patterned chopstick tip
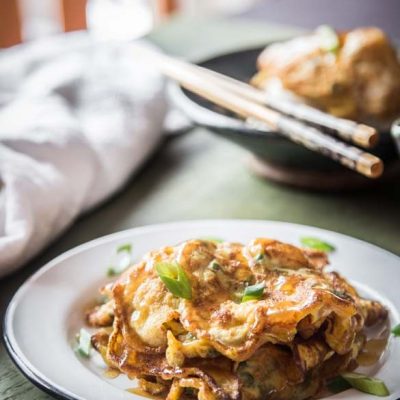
365,135
370,165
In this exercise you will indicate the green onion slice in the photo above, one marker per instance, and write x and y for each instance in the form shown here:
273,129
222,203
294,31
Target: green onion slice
259,257
396,331
253,292
215,266
127,248
84,343
317,244
124,259
329,39
175,279
366,384
341,294
338,384
213,239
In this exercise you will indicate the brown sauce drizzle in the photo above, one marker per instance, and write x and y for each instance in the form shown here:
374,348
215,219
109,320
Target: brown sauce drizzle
375,346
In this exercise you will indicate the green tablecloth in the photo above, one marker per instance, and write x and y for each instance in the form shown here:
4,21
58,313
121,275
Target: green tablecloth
199,175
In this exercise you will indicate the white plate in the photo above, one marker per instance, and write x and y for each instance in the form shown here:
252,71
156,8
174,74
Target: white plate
47,311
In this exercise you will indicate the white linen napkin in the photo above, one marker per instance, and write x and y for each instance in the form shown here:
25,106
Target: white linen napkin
76,119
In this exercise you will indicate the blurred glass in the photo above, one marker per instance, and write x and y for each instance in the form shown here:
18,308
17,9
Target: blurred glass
119,19
40,18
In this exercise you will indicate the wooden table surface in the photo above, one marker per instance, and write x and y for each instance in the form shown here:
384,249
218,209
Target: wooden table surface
198,175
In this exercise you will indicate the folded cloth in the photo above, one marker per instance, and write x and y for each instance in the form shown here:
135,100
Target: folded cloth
77,118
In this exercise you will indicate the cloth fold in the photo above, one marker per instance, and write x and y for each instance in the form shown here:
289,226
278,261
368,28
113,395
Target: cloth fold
77,118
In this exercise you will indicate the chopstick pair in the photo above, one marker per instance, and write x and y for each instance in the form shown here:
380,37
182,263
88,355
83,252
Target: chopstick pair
249,103
351,131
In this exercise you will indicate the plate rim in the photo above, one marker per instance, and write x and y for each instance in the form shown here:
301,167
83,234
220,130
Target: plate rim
36,380
63,393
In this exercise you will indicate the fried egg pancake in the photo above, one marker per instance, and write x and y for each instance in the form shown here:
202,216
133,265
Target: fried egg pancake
360,79
304,328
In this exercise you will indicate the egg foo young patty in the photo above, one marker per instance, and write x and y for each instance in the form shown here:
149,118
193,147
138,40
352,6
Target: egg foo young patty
357,76
223,320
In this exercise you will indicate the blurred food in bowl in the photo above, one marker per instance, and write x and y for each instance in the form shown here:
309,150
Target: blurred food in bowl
353,74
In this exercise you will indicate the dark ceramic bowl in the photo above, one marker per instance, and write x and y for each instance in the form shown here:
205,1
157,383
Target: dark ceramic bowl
269,146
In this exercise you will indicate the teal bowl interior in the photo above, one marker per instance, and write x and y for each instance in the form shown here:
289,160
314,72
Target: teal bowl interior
267,145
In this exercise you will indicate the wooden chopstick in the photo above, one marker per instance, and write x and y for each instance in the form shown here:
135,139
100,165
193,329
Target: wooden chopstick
191,78
360,134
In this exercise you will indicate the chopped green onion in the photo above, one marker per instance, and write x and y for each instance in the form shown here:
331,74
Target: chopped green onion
317,244
112,271
215,266
396,330
175,279
366,384
329,39
190,336
124,252
253,292
259,257
84,343
127,248
341,294
213,239
338,384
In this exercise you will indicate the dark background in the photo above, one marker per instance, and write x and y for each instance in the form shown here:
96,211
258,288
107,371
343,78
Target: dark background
342,14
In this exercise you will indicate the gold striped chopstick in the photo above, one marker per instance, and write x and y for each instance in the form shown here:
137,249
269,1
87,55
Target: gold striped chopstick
360,134
195,80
